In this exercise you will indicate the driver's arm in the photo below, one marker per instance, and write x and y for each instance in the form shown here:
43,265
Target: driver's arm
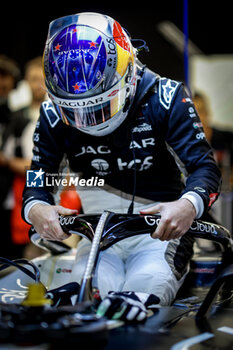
39,208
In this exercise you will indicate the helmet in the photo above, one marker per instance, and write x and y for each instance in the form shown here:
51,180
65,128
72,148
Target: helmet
90,71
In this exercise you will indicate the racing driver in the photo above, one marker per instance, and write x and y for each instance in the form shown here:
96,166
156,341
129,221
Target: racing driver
115,119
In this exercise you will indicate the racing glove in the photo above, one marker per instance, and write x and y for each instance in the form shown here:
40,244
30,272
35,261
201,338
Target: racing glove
126,306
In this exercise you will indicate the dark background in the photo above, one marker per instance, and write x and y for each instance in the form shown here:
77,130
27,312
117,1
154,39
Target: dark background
24,28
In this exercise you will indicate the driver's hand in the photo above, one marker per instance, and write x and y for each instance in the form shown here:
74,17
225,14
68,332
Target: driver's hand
127,306
44,218
176,218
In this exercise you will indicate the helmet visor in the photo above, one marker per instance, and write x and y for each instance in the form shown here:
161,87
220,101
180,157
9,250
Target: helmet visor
93,111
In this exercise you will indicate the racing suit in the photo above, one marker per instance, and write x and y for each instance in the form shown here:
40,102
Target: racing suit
158,154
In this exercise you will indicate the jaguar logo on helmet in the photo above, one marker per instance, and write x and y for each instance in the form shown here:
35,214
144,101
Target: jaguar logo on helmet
77,103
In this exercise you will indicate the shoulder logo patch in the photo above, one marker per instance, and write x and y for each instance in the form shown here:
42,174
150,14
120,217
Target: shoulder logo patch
167,88
50,113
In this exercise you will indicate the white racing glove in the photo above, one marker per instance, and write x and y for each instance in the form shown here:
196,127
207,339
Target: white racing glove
126,306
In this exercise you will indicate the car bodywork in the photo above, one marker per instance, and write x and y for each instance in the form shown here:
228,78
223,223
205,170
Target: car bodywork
200,317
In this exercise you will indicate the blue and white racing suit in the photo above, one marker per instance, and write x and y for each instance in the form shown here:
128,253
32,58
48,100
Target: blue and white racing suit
158,154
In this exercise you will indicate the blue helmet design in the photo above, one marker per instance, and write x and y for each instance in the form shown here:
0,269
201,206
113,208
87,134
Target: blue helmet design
77,59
